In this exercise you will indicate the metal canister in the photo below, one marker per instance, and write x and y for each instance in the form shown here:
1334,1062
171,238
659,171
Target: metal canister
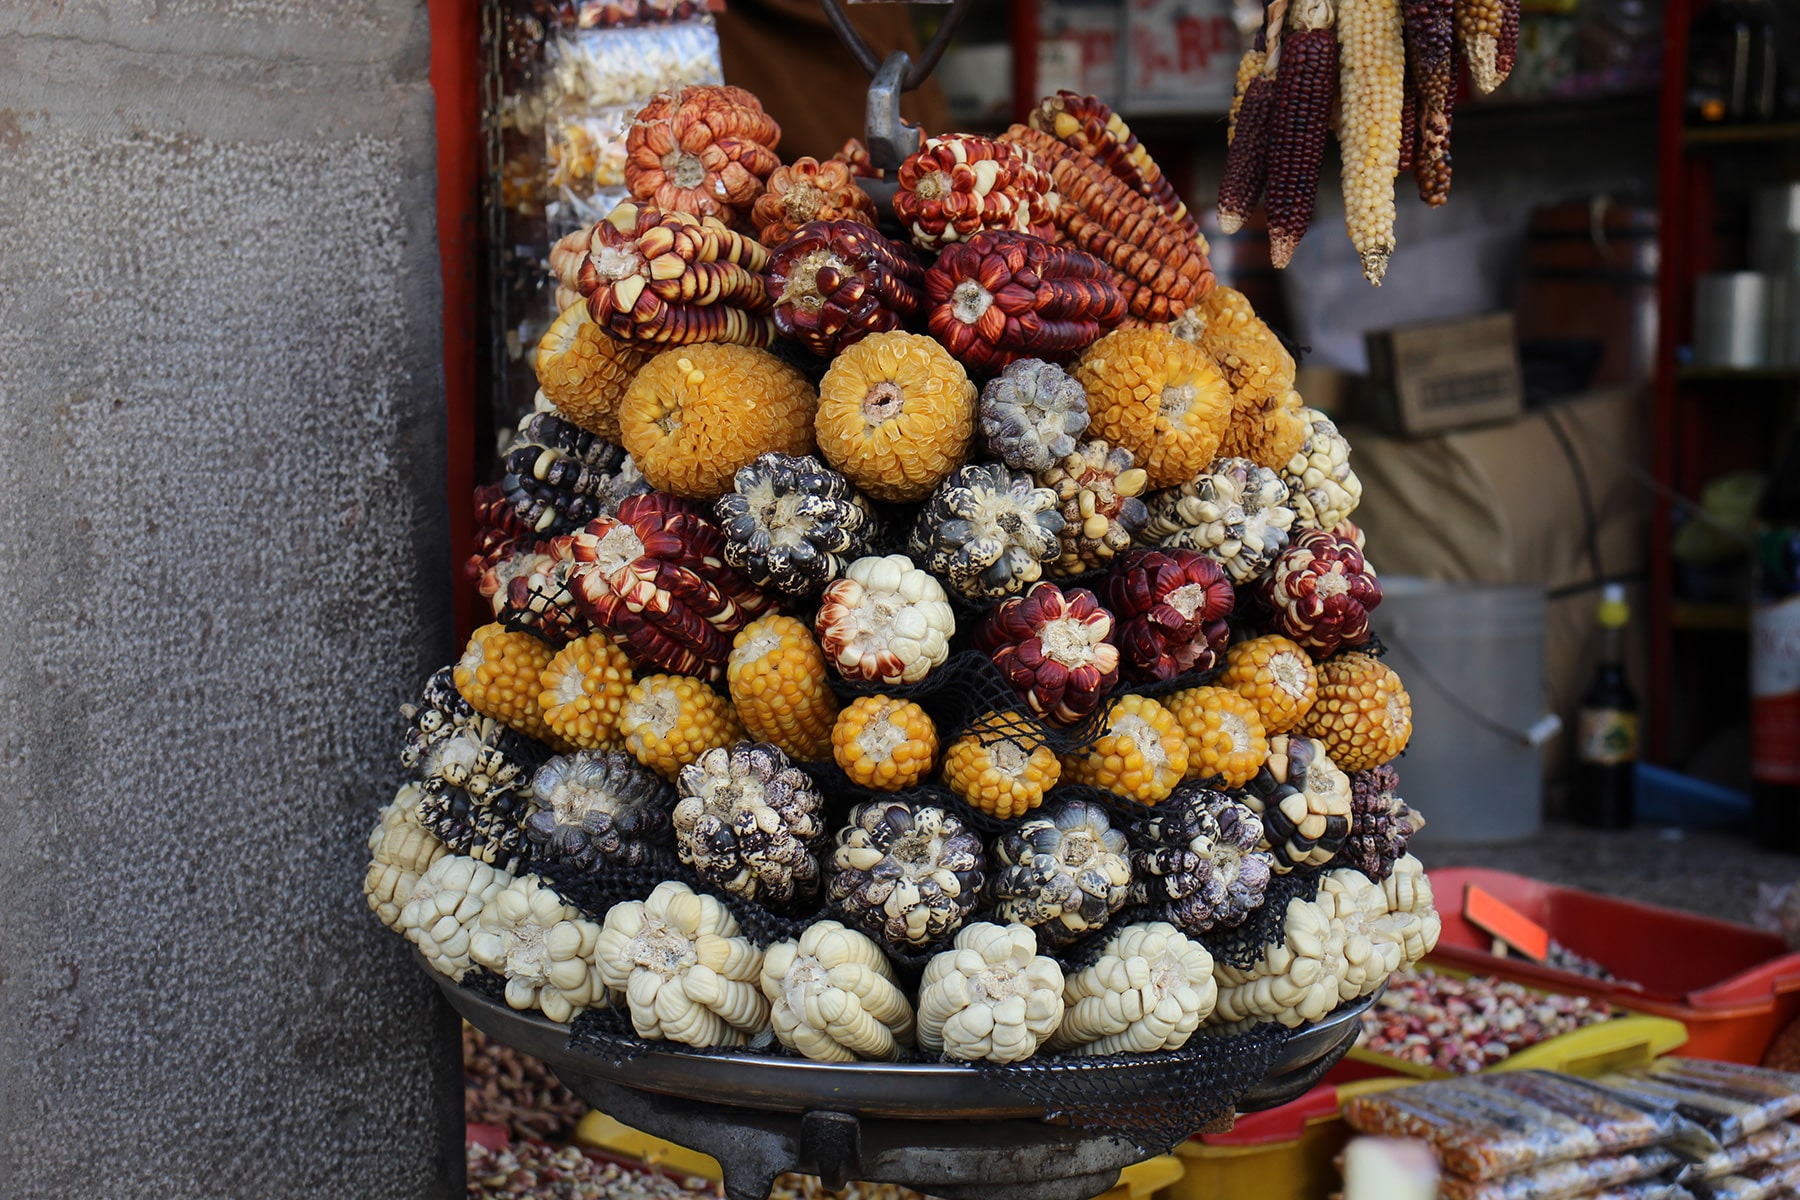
1731,319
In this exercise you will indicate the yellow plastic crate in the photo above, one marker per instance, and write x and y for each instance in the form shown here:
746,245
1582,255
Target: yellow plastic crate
1287,1153
601,1132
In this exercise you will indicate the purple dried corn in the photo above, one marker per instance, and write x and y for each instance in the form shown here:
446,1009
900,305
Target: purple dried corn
1305,86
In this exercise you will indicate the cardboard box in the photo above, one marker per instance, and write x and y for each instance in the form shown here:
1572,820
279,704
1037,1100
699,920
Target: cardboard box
1445,375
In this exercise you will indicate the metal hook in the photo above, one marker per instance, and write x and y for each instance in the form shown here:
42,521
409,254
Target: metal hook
917,72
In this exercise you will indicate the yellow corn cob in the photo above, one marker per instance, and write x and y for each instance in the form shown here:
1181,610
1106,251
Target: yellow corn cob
499,675
1249,67
583,689
777,677
1277,676
1363,714
1478,27
1000,768
1141,756
584,371
884,743
1224,734
668,721
1371,95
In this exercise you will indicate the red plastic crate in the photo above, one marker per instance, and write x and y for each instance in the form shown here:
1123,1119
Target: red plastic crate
1733,986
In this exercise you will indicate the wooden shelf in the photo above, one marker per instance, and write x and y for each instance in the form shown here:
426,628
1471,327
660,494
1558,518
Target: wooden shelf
1709,618
1699,374
1741,135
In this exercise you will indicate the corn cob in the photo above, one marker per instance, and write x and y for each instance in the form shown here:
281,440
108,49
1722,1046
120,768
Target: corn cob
1249,68
1506,53
498,675
777,678
669,721
1372,93
1000,767
583,688
1480,25
1409,118
1089,126
1305,84
1161,268
1247,158
884,743
1431,52
1141,755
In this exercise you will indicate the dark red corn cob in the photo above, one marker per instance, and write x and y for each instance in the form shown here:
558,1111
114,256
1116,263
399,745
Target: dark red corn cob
1409,123
1000,297
1305,85
1247,161
836,282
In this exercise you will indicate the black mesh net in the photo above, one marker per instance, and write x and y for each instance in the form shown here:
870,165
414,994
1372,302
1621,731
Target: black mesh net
1163,1100
484,982
757,924
1242,946
595,892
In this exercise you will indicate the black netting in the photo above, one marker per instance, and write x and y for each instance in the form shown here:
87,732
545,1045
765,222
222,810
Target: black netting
484,982
595,892
1181,682
924,691
1085,951
1242,946
1162,1101
1123,809
607,1033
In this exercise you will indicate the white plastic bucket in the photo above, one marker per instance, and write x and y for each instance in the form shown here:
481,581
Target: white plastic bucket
1472,659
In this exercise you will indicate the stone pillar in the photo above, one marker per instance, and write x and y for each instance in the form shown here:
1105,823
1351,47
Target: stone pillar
223,564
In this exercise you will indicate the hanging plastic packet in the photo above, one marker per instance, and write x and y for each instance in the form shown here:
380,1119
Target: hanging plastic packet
1487,1126
604,68
586,150
1779,1141
1730,1101
1761,1182
1557,1181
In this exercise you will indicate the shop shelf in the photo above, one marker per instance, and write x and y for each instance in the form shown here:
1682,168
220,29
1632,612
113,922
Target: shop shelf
1734,987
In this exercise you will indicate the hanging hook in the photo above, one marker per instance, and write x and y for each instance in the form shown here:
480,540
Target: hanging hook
916,72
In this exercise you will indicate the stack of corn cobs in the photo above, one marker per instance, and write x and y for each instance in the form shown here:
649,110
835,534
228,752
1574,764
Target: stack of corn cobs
941,685
1388,69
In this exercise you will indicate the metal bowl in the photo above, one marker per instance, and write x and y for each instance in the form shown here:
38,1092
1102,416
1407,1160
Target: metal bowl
950,1131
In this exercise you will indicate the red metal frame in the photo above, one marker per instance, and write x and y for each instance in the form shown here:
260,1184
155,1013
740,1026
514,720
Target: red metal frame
456,84
1678,243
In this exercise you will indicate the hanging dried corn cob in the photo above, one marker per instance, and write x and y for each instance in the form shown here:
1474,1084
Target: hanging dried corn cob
1247,157
1431,52
1506,54
1371,95
1305,85
1409,117
1481,27
1249,67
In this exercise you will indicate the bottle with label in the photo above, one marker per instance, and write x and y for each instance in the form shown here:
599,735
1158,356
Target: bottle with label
1775,658
1607,737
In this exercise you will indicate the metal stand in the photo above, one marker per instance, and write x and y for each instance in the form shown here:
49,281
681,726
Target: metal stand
942,1129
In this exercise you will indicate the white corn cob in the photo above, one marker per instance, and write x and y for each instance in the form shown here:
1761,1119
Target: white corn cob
1371,95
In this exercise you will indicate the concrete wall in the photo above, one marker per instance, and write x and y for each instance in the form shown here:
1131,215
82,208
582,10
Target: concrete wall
223,563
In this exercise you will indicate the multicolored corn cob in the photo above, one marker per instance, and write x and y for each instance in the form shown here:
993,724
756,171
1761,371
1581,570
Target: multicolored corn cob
1431,51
